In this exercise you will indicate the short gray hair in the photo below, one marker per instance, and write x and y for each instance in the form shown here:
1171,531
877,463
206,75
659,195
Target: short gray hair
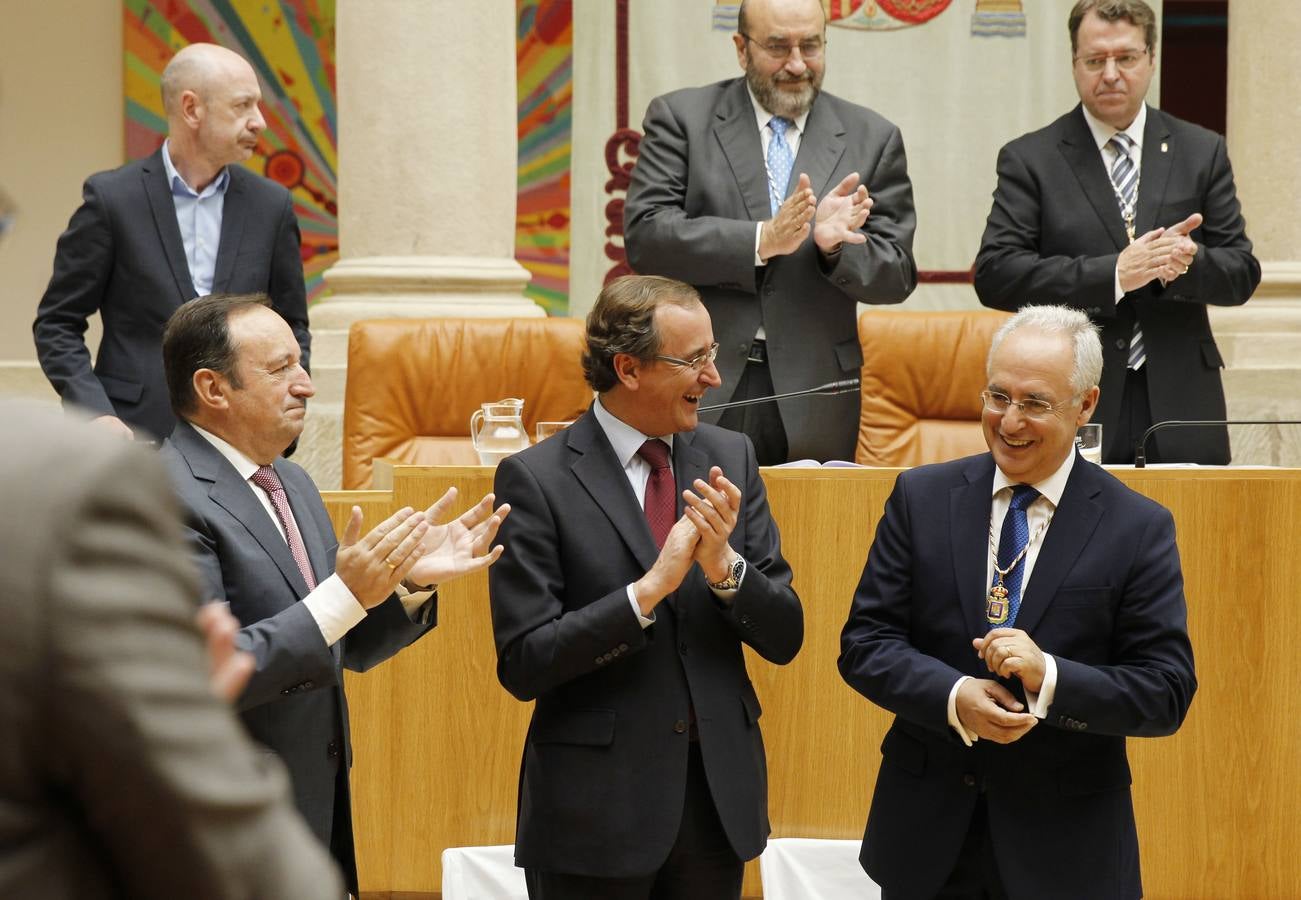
1086,344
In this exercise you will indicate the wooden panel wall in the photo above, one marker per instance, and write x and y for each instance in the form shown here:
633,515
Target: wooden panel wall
438,741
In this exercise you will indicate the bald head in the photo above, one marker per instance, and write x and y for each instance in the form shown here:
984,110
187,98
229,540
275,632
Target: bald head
211,96
198,68
766,9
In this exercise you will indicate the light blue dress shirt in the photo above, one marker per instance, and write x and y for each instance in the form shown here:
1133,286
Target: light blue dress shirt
199,217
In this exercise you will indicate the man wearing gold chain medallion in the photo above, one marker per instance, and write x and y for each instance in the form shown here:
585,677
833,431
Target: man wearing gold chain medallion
1021,613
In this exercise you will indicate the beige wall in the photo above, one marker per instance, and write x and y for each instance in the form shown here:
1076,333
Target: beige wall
60,120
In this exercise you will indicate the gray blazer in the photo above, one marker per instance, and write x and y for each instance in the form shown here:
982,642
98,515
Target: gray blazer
699,187
294,703
122,257
120,774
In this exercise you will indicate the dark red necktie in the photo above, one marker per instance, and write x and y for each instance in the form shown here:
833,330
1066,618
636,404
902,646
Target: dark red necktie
660,503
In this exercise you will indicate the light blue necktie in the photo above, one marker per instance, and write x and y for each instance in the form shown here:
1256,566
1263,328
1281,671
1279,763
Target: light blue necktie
1011,543
1124,177
780,162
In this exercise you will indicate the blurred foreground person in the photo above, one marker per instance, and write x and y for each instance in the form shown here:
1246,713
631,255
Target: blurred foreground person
121,774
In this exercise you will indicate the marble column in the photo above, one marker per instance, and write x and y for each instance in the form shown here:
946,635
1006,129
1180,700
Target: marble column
1261,341
427,175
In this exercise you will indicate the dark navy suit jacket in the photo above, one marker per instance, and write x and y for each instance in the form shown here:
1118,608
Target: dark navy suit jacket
122,257
1105,599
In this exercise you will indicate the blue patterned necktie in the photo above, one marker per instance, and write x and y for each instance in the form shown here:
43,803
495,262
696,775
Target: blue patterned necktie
1124,178
1005,592
780,162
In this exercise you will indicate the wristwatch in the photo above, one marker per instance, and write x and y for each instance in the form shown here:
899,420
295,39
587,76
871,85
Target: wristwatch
733,579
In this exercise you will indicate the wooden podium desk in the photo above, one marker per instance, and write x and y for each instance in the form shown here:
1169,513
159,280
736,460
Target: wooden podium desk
438,740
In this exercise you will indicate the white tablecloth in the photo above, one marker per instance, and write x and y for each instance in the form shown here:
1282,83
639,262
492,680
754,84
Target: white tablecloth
807,869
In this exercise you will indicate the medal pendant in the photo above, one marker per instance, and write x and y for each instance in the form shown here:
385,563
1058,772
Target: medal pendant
996,608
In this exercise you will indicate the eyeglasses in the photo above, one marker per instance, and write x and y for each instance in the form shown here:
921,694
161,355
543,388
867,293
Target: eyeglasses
811,48
1037,410
1126,60
696,363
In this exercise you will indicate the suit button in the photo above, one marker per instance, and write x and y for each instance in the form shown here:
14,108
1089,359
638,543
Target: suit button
609,657
743,348
1121,343
680,726
683,648
969,780
623,647
307,685
600,660
332,749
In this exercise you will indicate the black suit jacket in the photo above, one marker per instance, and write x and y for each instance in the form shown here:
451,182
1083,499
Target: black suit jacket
294,704
699,187
1105,599
1054,234
122,257
604,771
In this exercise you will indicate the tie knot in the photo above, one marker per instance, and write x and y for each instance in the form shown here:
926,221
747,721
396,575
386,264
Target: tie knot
779,125
1022,496
655,452
1122,142
267,479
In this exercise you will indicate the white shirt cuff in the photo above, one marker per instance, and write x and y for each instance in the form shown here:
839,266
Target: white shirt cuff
758,235
1037,704
334,608
968,737
636,608
413,602
1117,290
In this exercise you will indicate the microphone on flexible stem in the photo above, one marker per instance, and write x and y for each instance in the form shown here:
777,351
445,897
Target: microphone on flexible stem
826,390
1140,451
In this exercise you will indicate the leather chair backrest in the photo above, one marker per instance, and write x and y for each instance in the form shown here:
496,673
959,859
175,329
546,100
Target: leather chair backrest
413,384
921,381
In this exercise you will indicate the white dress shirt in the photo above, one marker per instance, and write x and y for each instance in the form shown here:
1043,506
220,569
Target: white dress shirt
626,441
1038,516
1102,133
333,606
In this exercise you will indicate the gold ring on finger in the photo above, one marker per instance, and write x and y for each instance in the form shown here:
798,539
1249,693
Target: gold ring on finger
391,565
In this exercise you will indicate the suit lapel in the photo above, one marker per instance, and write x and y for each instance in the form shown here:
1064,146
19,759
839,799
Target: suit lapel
159,192
1074,522
233,214
821,147
738,136
1155,172
234,495
969,509
598,471
1081,154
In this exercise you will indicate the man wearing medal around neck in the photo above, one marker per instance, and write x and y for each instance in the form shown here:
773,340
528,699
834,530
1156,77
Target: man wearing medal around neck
1142,245
1016,677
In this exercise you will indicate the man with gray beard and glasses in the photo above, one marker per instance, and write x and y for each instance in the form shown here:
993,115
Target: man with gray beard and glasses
785,207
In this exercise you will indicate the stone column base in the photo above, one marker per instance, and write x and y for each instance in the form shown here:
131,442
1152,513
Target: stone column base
1261,345
421,286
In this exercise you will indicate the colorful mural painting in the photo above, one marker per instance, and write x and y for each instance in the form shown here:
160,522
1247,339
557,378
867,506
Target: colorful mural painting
545,78
291,46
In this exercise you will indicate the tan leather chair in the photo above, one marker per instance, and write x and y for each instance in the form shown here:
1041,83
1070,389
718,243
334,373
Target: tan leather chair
922,377
413,384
